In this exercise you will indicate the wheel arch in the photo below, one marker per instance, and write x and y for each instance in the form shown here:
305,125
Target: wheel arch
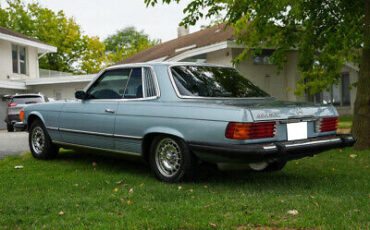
34,116
150,134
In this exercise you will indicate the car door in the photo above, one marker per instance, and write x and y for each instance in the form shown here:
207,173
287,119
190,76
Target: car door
90,122
133,114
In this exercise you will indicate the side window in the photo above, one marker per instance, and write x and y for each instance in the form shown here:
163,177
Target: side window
149,85
135,85
110,85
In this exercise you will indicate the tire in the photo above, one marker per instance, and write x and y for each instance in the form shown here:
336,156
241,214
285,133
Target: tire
40,142
10,127
171,159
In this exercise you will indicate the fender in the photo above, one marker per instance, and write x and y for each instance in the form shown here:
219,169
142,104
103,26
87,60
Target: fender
164,130
37,114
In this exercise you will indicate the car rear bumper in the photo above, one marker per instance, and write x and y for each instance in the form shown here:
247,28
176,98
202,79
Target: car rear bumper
288,150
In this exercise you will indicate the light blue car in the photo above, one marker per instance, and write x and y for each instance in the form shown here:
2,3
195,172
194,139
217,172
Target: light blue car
175,115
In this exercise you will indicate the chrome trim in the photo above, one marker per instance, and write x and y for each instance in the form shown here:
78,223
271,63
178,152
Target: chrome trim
85,132
52,128
315,142
127,137
199,97
100,134
270,147
95,148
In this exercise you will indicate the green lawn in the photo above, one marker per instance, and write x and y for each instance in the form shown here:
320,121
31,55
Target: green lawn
329,191
345,122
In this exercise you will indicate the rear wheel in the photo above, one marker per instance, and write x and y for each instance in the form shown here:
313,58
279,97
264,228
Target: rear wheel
10,127
171,160
40,142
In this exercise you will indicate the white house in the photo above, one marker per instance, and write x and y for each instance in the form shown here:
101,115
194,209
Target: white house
217,45
19,70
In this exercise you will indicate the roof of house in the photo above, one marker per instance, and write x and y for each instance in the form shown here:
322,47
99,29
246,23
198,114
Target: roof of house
21,38
166,50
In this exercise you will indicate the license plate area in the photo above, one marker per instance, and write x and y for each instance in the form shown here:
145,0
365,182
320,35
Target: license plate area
297,131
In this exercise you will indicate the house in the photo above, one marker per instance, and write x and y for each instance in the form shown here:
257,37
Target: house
19,70
216,45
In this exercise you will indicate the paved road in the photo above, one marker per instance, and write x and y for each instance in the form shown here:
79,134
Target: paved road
13,143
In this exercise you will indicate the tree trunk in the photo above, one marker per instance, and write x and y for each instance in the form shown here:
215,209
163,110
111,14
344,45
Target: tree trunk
361,117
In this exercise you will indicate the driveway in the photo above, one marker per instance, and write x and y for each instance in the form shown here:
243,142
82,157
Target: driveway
13,143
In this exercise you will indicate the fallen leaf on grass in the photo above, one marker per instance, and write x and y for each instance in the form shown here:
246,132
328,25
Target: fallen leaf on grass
340,150
131,190
213,224
191,190
179,188
61,213
94,164
293,212
120,182
192,197
282,201
116,189
153,197
129,202
353,155
317,204
312,197
119,213
205,186
18,167
122,200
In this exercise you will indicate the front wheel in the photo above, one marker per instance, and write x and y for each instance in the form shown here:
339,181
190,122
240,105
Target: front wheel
171,159
40,142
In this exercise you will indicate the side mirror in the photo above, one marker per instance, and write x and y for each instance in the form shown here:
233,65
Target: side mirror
80,95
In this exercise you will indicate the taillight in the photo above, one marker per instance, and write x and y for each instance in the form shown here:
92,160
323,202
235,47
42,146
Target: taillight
326,124
243,131
12,104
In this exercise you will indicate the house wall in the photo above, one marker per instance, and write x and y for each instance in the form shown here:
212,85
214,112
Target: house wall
6,66
353,76
220,57
59,91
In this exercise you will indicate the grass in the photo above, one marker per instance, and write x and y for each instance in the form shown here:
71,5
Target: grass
345,122
329,191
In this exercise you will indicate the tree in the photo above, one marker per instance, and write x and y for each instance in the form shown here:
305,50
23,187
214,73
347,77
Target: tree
128,39
93,58
327,34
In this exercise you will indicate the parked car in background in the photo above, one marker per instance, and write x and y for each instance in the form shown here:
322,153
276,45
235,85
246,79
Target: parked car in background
172,115
17,103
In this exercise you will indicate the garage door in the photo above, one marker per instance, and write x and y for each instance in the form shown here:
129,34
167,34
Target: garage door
3,106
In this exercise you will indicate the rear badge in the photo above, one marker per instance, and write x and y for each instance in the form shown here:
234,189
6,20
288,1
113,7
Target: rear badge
268,115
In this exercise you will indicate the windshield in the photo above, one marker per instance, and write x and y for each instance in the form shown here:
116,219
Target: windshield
27,100
210,81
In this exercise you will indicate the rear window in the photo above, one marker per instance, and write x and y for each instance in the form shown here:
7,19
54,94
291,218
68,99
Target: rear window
211,81
27,100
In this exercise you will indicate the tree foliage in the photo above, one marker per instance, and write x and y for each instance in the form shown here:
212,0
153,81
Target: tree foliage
327,34
77,53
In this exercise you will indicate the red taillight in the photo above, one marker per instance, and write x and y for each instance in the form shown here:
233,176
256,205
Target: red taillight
327,124
12,104
243,131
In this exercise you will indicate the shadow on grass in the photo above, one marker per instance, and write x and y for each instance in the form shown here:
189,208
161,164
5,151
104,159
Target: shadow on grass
295,179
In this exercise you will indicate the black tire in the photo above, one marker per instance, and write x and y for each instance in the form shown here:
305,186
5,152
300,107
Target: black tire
10,127
275,166
178,155
40,142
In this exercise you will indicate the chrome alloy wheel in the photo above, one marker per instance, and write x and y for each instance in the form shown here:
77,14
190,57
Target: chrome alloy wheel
38,140
168,157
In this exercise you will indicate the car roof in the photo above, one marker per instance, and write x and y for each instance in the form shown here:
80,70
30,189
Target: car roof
140,64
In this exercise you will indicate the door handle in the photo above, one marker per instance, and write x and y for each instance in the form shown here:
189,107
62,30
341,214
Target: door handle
109,110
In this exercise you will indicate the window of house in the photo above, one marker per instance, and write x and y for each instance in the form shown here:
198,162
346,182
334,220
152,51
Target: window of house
19,59
263,58
338,95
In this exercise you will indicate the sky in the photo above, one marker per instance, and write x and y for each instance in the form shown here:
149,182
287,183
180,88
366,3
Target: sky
104,17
